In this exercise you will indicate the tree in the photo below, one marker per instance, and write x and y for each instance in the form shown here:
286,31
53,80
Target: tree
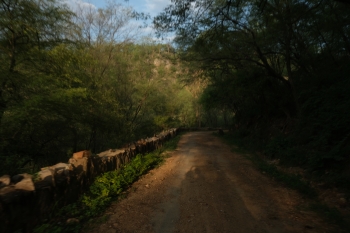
270,62
26,29
75,81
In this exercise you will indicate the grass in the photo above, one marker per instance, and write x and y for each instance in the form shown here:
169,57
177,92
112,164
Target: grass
295,182
106,188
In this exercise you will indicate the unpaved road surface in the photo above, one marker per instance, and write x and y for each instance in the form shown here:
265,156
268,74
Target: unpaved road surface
204,187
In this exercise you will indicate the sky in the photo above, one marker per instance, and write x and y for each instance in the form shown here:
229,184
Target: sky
152,7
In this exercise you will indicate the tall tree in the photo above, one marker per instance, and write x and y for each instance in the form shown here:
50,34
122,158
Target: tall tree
26,29
279,63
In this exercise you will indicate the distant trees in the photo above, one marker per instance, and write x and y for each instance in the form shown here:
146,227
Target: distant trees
76,80
280,67
27,30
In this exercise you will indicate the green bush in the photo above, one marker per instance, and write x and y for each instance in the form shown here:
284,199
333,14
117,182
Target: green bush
106,188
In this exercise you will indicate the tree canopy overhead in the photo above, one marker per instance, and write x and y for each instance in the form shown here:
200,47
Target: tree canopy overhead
280,66
72,81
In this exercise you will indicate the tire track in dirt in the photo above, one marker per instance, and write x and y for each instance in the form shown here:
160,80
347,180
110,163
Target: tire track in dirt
204,187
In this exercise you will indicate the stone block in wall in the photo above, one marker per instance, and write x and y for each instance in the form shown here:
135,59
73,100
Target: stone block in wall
61,168
80,166
111,159
17,203
82,172
17,178
141,147
44,193
55,183
62,177
18,185
23,204
128,155
45,177
120,160
81,154
158,143
73,179
111,152
6,194
133,151
98,166
173,132
162,137
4,181
110,162
25,184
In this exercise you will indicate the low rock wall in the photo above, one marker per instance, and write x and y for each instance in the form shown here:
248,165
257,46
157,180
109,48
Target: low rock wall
186,129
26,200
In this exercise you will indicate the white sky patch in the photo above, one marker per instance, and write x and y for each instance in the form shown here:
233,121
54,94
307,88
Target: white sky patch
154,7
75,4
147,30
151,7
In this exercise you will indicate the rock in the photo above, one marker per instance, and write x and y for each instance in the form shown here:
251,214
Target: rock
17,178
61,168
111,152
78,155
81,167
25,184
72,221
81,154
4,181
47,176
7,194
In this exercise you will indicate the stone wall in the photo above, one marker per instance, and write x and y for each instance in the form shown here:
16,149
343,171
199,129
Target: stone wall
26,200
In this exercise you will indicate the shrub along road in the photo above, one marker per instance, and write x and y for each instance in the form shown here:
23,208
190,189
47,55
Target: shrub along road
204,187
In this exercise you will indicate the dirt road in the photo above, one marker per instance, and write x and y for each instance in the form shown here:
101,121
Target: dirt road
204,187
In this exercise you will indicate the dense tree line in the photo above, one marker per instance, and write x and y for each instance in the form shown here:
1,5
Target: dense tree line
281,67
77,80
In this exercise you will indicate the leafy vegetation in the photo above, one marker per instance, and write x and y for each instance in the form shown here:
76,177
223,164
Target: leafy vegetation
273,71
106,188
80,80
277,69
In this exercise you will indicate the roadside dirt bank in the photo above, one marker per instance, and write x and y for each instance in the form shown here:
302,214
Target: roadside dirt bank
204,187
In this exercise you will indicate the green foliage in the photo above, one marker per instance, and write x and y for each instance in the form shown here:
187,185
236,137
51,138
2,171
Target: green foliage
171,144
111,184
106,188
71,84
286,86
48,228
